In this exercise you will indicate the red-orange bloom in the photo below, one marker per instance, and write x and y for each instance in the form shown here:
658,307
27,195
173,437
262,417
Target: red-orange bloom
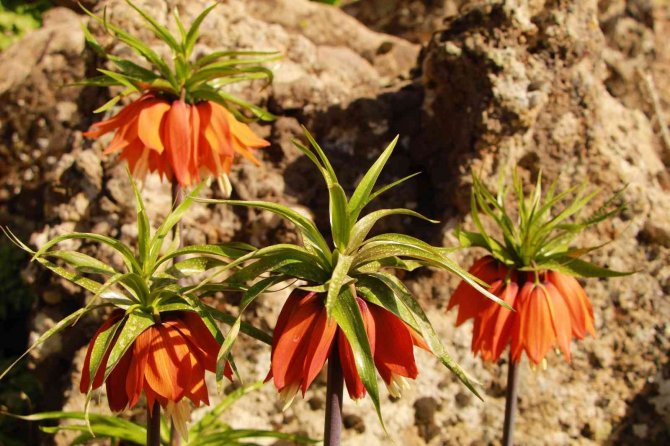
167,361
304,337
177,139
547,314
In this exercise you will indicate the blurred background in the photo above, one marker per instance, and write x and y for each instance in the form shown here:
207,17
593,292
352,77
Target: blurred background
579,89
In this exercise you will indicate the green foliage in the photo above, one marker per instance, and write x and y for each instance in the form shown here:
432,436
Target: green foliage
191,78
538,230
20,388
209,430
147,285
349,265
18,17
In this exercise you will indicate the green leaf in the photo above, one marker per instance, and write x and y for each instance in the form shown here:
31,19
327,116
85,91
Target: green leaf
211,417
233,250
365,224
126,253
224,98
82,262
304,225
580,268
62,324
347,314
101,425
362,193
159,30
425,328
268,56
339,221
111,103
101,345
172,219
194,265
92,42
388,187
337,280
121,79
143,226
136,323
245,328
192,34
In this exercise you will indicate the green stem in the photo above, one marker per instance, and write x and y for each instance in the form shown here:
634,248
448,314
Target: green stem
177,198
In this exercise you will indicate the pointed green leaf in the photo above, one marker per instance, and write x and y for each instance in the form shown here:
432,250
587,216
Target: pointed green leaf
347,314
136,323
362,193
62,324
337,280
425,327
365,224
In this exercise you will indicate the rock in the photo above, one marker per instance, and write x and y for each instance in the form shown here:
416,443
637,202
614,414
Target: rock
537,84
353,422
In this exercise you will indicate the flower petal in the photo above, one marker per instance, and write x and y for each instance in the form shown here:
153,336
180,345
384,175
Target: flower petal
149,124
353,381
288,357
177,139
394,349
320,343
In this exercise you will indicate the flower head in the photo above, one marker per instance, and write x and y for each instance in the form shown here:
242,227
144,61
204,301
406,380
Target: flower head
357,312
304,337
531,271
183,125
178,140
167,362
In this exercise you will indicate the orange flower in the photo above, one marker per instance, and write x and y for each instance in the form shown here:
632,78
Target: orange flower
547,314
167,361
304,337
177,139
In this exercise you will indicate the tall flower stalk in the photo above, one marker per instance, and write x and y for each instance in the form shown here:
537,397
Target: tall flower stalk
351,310
533,269
184,126
160,339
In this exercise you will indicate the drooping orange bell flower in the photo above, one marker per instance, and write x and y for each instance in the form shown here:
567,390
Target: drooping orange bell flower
178,140
547,314
304,337
167,361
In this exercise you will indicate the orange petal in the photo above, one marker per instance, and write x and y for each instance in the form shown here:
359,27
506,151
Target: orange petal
581,311
116,383
167,372
320,343
394,349
121,119
205,347
218,129
288,357
537,335
470,301
560,317
138,364
149,124
177,138
497,323
243,133
86,368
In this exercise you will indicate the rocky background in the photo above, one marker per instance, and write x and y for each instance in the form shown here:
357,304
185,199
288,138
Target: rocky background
576,88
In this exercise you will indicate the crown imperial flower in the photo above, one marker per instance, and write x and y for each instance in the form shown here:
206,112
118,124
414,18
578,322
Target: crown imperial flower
183,126
532,272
